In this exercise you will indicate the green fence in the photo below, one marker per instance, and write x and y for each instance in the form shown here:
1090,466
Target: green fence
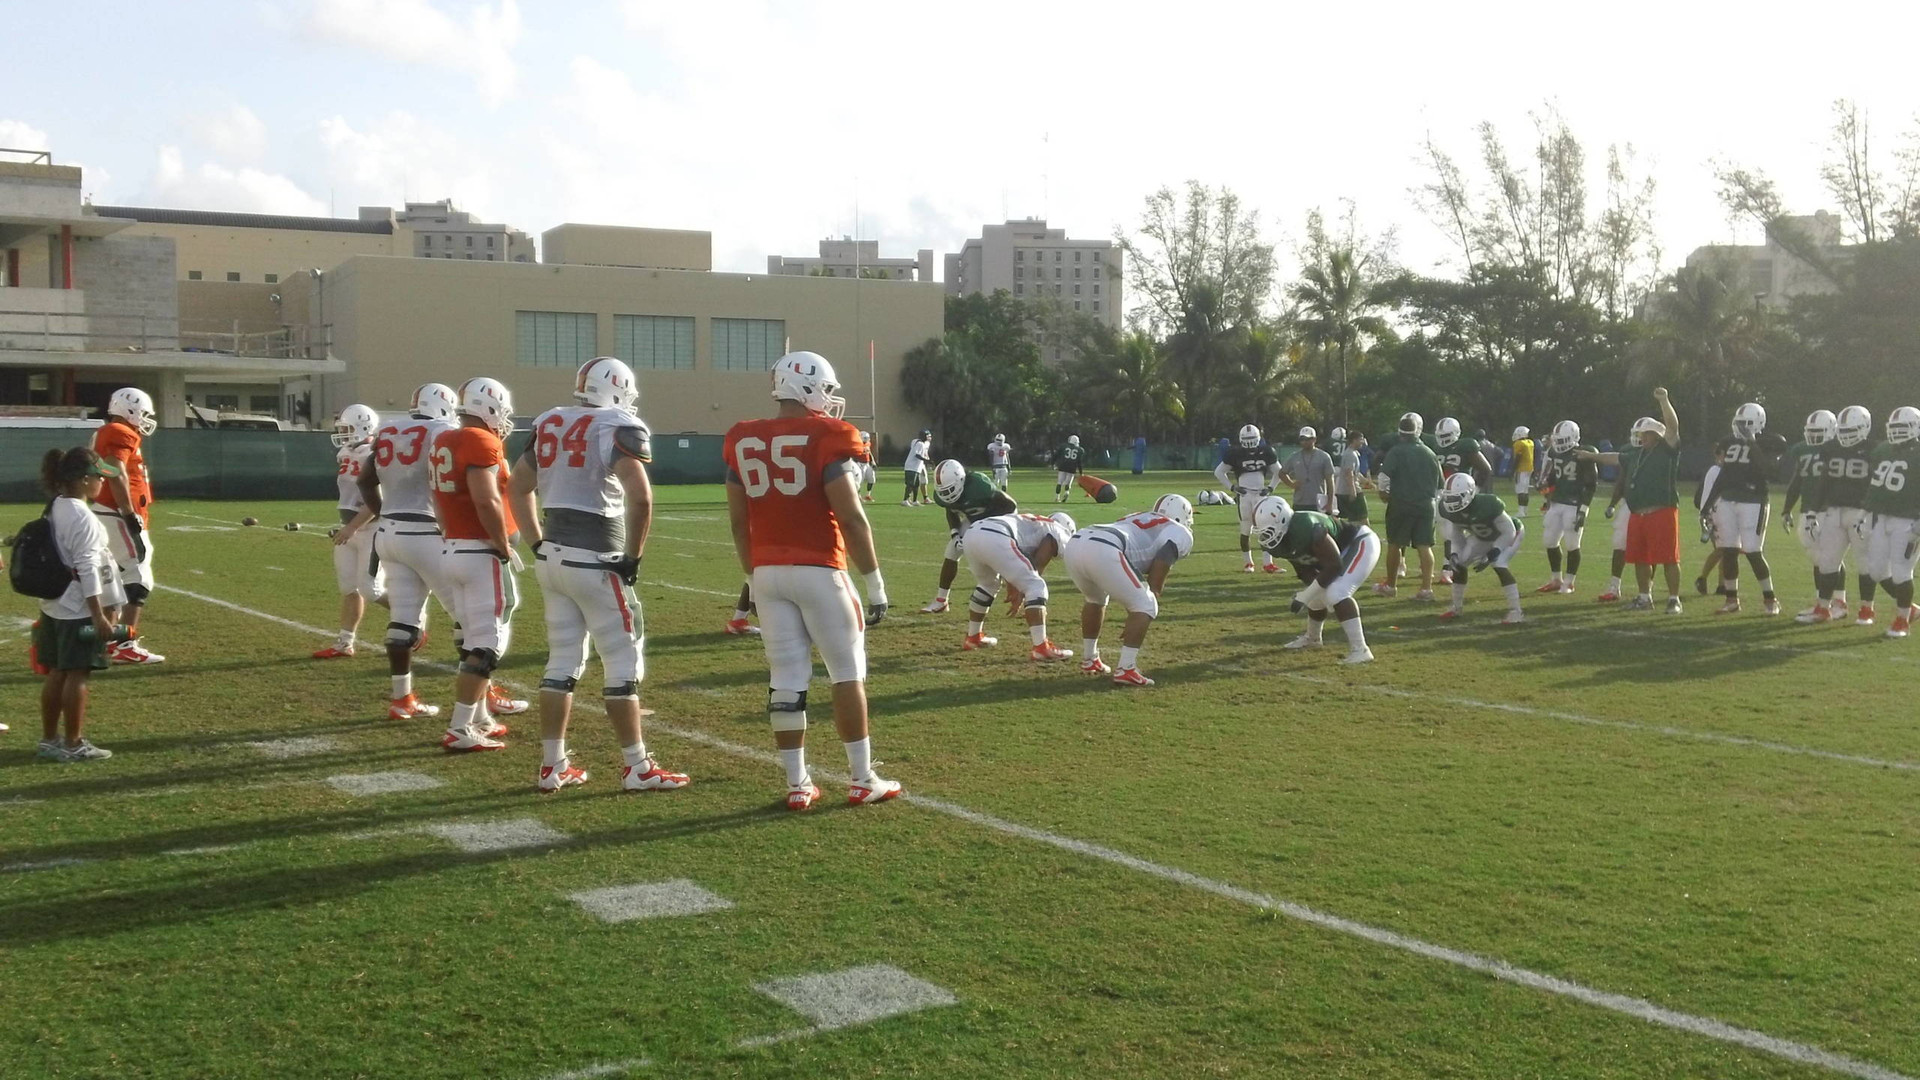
242,464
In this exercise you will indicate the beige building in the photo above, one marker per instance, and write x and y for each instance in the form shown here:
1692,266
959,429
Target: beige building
700,342
258,249
847,257
1772,274
621,245
1034,262
439,231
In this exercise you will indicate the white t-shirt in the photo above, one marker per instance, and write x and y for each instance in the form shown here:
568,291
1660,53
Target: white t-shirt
918,451
82,541
574,447
997,453
402,456
1143,536
351,461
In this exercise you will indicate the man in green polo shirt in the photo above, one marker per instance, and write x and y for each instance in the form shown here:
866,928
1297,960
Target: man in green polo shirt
1409,478
1650,466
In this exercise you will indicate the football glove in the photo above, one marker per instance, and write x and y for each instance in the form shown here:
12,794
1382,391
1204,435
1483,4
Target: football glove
1580,518
139,534
1486,560
1610,511
624,567
875,613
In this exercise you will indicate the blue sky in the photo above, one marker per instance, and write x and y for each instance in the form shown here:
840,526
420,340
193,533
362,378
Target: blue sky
767,123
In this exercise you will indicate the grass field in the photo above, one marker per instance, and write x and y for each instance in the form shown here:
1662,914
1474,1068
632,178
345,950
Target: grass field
1598,845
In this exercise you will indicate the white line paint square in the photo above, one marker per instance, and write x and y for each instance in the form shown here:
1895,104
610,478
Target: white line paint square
498,835
383,783
298,746
837,999
650,900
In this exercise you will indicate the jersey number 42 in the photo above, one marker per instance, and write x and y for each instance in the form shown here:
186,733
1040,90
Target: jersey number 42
763,467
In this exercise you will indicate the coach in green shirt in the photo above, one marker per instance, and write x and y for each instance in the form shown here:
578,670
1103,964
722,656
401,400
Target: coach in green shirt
1409,477
1650,466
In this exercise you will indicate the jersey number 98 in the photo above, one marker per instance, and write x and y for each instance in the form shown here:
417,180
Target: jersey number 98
762,467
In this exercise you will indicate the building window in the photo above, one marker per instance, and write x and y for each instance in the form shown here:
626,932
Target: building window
268,404
1056,273
1019,272
193,275
469,241
489,241
1096,255
489,256
748,344
660,342
1019,289
1096,307
1076,270
1056,290
1020,255
273,279
562,339
1096,288
1076,288
1059,256
1076,258
1076,305
446,241
469,254
233,275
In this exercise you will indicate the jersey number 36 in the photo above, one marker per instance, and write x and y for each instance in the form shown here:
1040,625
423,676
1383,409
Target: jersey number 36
762,467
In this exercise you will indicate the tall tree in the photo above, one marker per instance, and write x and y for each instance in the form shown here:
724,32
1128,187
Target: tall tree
1339,299
1706,334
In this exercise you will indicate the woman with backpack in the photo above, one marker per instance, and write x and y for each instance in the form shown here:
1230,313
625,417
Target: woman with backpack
70,640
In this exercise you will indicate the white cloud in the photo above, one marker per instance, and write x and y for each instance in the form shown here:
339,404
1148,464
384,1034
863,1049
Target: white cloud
417,32
236,134
17,135
400,157
212,186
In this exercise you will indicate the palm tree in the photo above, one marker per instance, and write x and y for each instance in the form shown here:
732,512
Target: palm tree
1705,331
1128,383
1261,381
1338,307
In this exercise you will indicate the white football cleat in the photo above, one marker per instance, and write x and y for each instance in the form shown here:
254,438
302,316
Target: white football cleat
1047,650
555,777
651,777
872,790
132,652
488,728
1095,666
935,606
801,797
85,751
1362,655
1384,589
741,628
500,704
1304,641
978,641
1866,616
466,741
1129,676
408,707
1249,569
1514,618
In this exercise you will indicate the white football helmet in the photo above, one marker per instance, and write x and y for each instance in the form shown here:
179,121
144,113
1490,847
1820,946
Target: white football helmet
1446,432
1338,435
1073,440
134,406
1000,439
434,401
1646,430
605,382
1903,424
1271,516
1459,491
1854,425
1521,432
949,477
1411,424
490,402
1250,436
1749,420
1176,507
1063,528
807,378
356,425
1821,427
1565,437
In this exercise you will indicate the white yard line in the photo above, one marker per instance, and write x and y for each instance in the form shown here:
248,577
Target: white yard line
593,1072
1638,1008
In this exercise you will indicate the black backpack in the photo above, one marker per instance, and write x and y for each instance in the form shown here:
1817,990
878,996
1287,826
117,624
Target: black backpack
36,569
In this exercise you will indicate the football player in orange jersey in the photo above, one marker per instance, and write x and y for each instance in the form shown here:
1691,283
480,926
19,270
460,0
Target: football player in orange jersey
795,509
122,508
470,479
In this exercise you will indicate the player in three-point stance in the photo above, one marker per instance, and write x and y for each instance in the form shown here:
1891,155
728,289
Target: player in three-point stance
470,477
356,569
1568,483
1000,459
797,519
1736,507
582,496
1249,470
396,489
1332,556
1805,460
966,497
1127,561
1015,548
1483,535
122,506
1893,501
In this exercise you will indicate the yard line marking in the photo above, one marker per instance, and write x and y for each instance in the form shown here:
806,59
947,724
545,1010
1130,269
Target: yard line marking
210,849
297,746
690,540
1637,1008
843,999
592,1072
648,900
497,835
383,783
689,588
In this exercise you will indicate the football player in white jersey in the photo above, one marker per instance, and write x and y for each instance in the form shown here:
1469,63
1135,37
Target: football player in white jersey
396,488
999,458
1127,561
1014,548
588,465
355,568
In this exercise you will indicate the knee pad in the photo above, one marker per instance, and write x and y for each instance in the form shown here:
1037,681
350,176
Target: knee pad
480,662
1039,601
624,690
981,599
403,635
137,594
787,709
564,686
954,548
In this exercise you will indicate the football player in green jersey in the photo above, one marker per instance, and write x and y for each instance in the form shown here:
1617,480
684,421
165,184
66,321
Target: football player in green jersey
1568,484
1484,535
1738,503
1067,462
1807,458
1842,525
1893,498
1332,556
967,497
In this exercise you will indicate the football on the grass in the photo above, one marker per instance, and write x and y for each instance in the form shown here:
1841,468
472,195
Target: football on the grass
249,521
293,526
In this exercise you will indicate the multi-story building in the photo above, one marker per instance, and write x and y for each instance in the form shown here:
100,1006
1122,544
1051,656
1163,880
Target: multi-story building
442,232
847,257
1034,262
1774,275
259,249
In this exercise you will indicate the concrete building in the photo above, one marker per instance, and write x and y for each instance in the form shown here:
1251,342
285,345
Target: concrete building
1034,262
442,232
1771,273
259,249
90,303
621,245
847,257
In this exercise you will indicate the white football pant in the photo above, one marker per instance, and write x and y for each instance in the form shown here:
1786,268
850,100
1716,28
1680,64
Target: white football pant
483,591
134,570
1891,548
1360,564
1841,535
1740,525
1557,527
1101,572
803,608
356,570
412,563
584,599
1469,549
994,557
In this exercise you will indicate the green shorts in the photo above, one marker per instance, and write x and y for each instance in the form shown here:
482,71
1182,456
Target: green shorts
1409,525
1351,507
58,644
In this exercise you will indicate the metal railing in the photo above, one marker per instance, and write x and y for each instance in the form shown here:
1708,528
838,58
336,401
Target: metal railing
40,330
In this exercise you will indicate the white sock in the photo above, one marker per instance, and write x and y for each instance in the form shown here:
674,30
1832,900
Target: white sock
636,755
1314,628
860,758
344,640
1459,594
1513,596
1613,586
1268,558
1556,577
796,762
1646,597
940,594
1090,648
402,685
975,626
1038,633
1766,586
1840,597
739,614
1129,656
1249,555
1356,637
1568,581
552,752
463,716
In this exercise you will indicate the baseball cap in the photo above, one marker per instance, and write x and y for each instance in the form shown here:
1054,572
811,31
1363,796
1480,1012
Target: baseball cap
1308,433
